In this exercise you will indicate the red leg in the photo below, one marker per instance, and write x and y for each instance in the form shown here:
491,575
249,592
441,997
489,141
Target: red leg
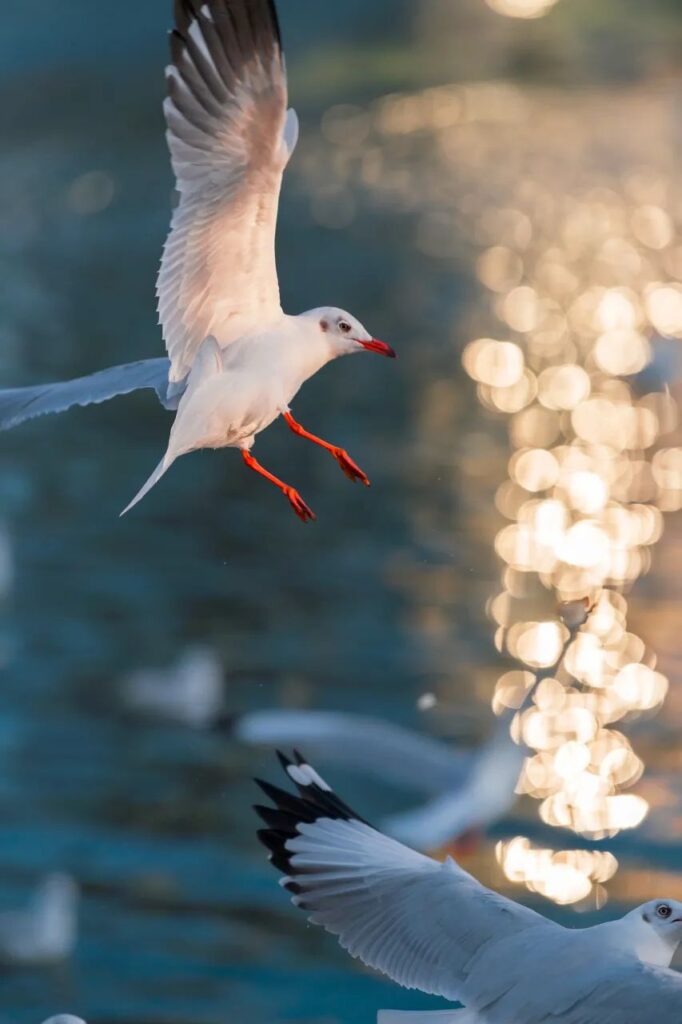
352,471
295,499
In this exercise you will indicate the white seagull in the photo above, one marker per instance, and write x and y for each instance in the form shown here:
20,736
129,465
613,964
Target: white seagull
44,931
465,791
431,926
235,359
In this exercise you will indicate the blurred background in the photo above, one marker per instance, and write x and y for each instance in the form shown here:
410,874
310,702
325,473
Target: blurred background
492,186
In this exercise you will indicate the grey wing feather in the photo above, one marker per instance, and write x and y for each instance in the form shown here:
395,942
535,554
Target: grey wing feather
19,404
629,993
572,978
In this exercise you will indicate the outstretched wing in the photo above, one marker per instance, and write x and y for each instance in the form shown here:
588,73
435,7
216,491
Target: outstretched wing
421,922
19,404
230,139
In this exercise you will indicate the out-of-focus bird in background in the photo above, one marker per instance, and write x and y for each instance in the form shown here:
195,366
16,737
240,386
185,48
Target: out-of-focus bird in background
463,789
235,359
46,930
466,790
189,692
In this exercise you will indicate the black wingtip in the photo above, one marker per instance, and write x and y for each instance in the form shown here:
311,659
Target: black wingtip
267,787
260,809
183,15
290,810
285,762
234,33
275,22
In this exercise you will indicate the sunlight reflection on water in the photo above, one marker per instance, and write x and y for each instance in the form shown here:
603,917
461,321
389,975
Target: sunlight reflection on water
580,264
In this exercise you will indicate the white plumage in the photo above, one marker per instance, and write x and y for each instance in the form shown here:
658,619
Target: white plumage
431,926
235,359
226,117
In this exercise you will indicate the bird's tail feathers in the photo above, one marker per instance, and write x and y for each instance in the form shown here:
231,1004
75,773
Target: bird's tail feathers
207,363
165,464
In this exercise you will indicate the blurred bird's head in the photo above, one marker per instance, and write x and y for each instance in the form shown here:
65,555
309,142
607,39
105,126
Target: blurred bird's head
346,335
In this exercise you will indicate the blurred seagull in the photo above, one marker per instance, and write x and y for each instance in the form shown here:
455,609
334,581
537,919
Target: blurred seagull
46,930
64,1018
235,359
191,691
466,790
431,926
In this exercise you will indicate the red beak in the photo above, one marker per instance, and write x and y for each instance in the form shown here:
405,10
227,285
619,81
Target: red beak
379,346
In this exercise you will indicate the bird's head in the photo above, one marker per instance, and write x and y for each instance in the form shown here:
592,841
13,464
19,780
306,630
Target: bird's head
346,335
663,920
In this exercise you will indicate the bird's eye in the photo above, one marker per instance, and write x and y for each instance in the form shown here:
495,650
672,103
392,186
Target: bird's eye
344,327
664,910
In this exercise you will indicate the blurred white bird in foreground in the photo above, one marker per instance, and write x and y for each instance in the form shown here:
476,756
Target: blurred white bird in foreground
64,1018
431,926
466,790
46,929
190,692
235,359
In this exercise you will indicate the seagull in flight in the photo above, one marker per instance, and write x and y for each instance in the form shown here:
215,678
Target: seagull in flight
235,358
431,926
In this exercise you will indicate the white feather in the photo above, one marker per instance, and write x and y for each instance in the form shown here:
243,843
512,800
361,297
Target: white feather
218,274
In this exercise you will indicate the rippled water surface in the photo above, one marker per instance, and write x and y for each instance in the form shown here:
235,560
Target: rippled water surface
380,601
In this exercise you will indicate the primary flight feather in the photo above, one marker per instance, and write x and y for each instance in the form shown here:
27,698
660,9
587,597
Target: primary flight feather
235,359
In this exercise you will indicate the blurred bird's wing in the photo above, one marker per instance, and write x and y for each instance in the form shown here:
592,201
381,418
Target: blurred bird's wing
64,1018
388,752
421,922
230,138
20,404
460,1016
486,794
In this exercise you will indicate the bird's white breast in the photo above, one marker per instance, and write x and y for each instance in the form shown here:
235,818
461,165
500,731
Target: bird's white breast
256,380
